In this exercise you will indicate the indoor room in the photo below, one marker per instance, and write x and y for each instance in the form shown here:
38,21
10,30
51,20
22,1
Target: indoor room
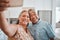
47,10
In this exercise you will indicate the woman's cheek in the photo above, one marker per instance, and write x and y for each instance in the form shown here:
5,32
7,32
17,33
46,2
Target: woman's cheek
28,20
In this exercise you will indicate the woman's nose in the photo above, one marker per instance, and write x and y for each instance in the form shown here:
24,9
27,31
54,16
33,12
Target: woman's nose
25,18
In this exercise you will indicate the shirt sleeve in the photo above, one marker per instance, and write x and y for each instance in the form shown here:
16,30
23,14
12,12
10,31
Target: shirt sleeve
50,31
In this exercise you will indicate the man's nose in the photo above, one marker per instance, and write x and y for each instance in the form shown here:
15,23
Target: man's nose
33,17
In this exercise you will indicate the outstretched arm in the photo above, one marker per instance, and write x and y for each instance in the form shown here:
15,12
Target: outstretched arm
7,28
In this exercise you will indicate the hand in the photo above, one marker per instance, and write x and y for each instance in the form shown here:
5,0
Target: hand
3,5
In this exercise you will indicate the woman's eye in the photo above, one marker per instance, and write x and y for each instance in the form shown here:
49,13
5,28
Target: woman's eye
23,16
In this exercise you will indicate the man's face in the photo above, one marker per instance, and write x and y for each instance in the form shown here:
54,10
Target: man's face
33,17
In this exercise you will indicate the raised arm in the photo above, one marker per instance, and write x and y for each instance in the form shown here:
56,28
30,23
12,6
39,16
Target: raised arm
8,29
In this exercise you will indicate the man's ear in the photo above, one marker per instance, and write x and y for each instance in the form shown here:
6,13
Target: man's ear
37,16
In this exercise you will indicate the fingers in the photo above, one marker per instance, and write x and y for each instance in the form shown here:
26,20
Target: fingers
5,1
3,5
2,9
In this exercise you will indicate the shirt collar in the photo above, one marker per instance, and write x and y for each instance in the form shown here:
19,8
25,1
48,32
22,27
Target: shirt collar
37,22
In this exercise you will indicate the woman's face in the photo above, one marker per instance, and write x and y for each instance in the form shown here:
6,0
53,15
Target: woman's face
24,18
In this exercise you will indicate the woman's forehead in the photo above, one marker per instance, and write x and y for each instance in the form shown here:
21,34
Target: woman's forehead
25,13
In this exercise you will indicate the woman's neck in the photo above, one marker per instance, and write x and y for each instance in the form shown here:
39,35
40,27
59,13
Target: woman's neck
24,26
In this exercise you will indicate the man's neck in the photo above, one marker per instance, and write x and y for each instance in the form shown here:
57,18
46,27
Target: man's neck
36,21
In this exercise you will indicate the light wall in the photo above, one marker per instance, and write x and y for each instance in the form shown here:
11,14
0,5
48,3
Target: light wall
38,4
13,12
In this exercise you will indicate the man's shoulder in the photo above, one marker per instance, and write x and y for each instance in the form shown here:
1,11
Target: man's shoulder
44,22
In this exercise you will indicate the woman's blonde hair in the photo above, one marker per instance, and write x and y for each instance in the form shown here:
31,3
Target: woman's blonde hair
23,12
